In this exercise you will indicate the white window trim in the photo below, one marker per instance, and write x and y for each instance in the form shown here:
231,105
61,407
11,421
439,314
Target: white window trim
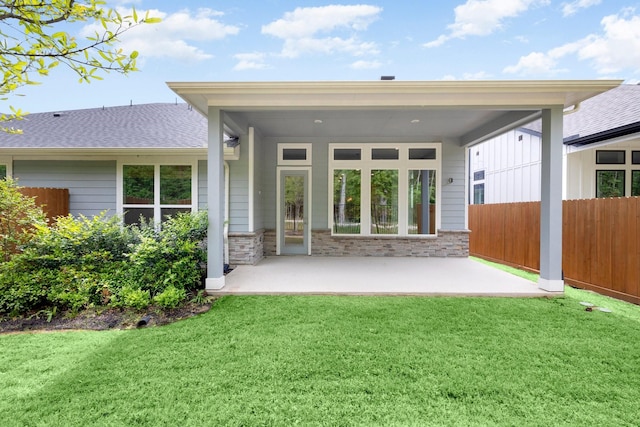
403,165
156,162
283,146
8,162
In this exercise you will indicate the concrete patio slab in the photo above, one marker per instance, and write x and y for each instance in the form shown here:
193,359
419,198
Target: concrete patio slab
376,276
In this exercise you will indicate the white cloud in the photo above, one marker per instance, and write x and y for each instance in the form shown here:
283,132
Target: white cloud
483,17
616,49
302,30
533,63
366,65
573,7
250,61
174,36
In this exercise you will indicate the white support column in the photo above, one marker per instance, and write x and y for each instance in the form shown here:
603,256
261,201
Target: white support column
551,202
215,201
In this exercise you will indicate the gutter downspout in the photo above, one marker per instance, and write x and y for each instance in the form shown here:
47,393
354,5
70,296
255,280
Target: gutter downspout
227,198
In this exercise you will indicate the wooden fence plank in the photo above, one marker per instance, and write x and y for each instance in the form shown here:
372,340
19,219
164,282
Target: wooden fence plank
601,241
53,201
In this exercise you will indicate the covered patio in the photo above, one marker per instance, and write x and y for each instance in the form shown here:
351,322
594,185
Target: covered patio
350,150
376,276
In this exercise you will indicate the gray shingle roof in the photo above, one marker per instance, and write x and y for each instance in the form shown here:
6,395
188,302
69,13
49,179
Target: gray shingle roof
135,126
613,109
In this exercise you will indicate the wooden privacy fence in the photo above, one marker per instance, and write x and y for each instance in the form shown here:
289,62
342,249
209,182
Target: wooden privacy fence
601,241
53,201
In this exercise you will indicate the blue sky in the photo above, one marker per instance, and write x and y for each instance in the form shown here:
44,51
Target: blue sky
276,40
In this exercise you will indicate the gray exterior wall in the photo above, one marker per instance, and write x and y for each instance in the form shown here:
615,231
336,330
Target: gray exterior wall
91,184
202,184
453,195
258,183
239,190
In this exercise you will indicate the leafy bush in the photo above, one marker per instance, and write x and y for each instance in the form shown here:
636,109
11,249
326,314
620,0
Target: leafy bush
170,257
18,216
81,262
171,297
134,298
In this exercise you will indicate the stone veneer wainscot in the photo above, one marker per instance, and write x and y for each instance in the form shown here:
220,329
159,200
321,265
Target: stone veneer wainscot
448,243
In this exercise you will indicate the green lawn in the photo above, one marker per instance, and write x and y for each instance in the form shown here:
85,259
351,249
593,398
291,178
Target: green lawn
336,361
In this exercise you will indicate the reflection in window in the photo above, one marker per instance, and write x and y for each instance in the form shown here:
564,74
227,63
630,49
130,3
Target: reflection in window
346,201
175,185
153,192
478,194
138,184
384,201
610,183
635,183
422,202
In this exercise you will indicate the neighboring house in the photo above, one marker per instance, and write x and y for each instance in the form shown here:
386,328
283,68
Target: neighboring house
373,168
601,154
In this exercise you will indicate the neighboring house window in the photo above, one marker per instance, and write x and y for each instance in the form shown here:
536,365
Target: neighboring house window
610,157
381,189
610,183
3,171
156,191
478,194
635,183
478,176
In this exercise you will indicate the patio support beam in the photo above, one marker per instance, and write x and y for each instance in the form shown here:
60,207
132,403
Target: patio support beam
551,202
215,201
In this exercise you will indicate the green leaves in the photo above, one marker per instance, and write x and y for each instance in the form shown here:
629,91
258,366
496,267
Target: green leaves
32,43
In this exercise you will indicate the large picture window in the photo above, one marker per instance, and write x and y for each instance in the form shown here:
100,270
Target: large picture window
154,192
384,189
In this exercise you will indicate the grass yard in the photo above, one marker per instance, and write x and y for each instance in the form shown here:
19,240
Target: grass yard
336,361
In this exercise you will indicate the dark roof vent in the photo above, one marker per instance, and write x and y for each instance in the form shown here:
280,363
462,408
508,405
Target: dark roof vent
57,114
388,78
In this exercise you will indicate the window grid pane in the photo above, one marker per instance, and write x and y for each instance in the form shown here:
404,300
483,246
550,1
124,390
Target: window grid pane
138,182
384,201
422,202
422,153
175,185
610,157
384,154
346,201
347,154
610,183
635,183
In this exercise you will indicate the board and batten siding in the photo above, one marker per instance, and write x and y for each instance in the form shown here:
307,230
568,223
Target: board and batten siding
91,184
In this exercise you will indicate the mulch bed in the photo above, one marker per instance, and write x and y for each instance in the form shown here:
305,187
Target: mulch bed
102,320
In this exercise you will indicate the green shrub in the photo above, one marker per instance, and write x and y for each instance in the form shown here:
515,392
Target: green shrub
82,241
171,257
171,297
19,218
134,298
82,262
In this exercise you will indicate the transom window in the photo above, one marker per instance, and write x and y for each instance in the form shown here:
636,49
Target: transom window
384,189
156,191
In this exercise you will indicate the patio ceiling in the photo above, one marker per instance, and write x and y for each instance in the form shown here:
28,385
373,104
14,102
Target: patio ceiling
460,112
